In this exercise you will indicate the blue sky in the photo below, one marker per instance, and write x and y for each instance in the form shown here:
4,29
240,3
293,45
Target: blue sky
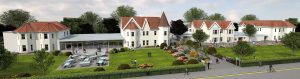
55,10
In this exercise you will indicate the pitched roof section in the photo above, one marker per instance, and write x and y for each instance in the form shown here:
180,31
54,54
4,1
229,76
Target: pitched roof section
131,25
268,23
197,23
154,22
223,24
41,27
209,23
163,20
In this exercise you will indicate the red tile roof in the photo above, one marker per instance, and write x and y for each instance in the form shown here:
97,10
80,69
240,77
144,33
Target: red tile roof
224,24
268,23
41,27
154,22
209,23
131,25
197,23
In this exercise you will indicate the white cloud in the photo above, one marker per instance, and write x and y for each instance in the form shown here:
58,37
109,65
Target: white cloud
233,15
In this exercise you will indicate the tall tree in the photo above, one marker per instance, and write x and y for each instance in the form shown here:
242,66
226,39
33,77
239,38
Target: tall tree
292,41
293,20
216,16
250,31
73,23
178,28
297,28
243,48
111,25
6,58
93,19
249,17
200,36
16,17
42,60
123,11
194,14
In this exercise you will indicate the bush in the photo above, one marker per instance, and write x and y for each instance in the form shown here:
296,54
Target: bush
23,75
192,61
219,56
143,66
55,53
67,53
114,50
211,50
163,45
177,62
123,49
123,67
194,54
99,69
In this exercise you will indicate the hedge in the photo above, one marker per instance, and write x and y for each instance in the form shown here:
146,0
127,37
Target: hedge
126,73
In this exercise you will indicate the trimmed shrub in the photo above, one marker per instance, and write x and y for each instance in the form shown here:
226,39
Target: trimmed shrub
211,50
193,61
67,53
115,50
177,62
194,54
219,56
55,53
99,69
163,45
23,75
123,49
123,67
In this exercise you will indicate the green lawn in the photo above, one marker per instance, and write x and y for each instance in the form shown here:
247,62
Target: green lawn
159,59
262,53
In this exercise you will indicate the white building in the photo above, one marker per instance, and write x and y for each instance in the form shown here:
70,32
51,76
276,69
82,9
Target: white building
218,31
271,30
144,31
35,36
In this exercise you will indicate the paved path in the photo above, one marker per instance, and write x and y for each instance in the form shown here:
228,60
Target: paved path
229,71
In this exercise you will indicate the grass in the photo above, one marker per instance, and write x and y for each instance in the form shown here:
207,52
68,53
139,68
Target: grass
159,59
262,53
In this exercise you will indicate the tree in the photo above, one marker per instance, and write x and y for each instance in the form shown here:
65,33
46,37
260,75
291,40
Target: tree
297,28
123,11
249,17
250,31
292,20
216,16
16,17
73,23
93,19
243,48
200,36
194,14
111,25
178,28
6,58
42,60
292,41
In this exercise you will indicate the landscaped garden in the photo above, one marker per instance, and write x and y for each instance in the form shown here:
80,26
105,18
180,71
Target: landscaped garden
159,62
274,54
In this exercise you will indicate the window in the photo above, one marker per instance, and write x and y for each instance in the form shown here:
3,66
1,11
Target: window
228,39
190,30
215,31
165,33
154,42
154,32
52,35
45,36
53,47
127,33
279,30
143,33
215,40
165,41
31,47
24,47
22,36
282,29
275,38
221,31
64,33
143,42
46,47
132,44
128,43
259,29
132,33
147,33
229,31
30,36
147,42
275,29
221,39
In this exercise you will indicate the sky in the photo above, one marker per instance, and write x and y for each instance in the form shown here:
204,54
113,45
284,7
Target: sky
55,10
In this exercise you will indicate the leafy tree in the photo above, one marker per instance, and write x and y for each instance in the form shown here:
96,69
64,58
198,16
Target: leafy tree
200,36
216,16
249,17
111,25
194,14
292,41
93,19
86,28
123,11
73,23
297,28
243,48
6,58
250,31
178,28
16,17
292,20
42,60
